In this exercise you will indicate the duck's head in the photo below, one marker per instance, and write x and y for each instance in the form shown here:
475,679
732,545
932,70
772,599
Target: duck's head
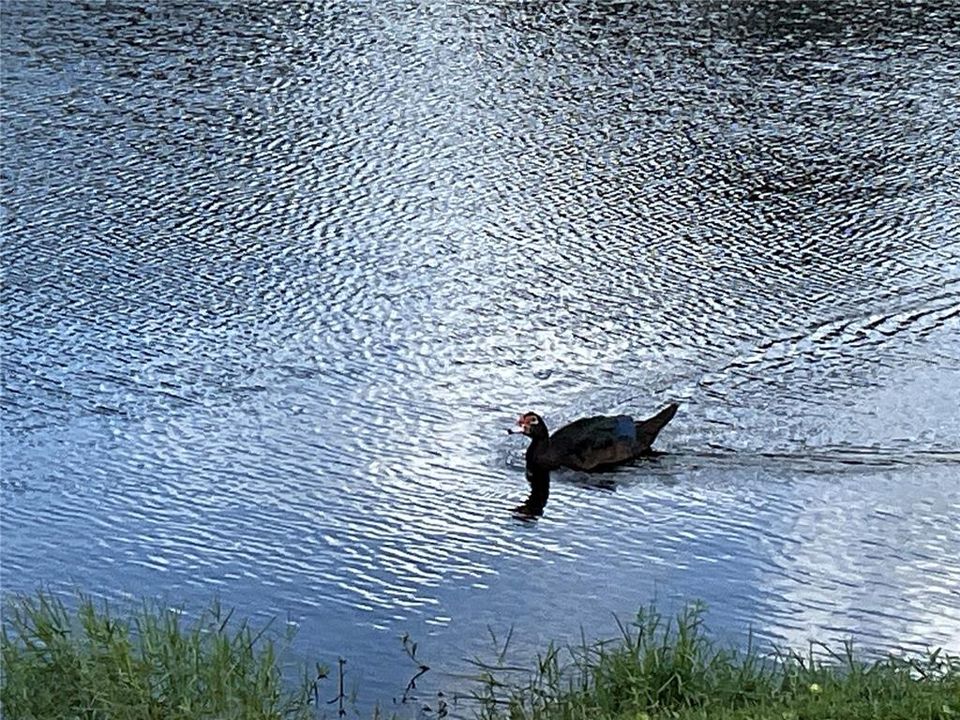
531,425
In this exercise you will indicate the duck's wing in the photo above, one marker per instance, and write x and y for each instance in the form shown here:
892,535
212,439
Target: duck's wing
593,442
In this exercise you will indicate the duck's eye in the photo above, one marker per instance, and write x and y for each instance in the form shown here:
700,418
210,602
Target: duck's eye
533,420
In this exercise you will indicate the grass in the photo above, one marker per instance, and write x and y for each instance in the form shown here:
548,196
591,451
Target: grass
659,670
92,665
150,665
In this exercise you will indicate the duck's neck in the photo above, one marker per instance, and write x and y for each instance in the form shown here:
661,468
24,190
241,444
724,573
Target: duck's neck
537,454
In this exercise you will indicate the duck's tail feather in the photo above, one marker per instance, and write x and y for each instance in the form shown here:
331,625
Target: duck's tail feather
647,430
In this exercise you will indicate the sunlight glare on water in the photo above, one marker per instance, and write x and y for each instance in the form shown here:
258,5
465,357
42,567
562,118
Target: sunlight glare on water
276,278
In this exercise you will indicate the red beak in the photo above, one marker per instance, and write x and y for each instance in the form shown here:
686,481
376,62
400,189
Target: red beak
519,429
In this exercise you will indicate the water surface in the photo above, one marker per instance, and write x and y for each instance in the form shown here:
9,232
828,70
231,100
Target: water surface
277,278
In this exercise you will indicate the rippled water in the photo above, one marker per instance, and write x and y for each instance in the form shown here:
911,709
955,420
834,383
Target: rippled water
278,276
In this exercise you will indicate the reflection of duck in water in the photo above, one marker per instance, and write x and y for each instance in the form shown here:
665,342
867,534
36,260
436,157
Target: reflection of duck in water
537,499
591,444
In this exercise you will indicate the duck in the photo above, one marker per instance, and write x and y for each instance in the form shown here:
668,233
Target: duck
593,444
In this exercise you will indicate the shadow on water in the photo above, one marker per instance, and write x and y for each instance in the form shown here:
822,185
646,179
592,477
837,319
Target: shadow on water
603,480
536,501
818,462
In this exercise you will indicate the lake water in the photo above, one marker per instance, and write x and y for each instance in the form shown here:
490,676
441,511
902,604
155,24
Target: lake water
277,277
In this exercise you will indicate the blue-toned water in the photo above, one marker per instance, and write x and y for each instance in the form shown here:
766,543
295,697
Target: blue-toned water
277,277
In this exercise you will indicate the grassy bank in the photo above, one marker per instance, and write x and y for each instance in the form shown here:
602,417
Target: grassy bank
92,663
671,670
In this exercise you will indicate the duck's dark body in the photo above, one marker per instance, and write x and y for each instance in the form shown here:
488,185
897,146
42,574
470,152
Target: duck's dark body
595,443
